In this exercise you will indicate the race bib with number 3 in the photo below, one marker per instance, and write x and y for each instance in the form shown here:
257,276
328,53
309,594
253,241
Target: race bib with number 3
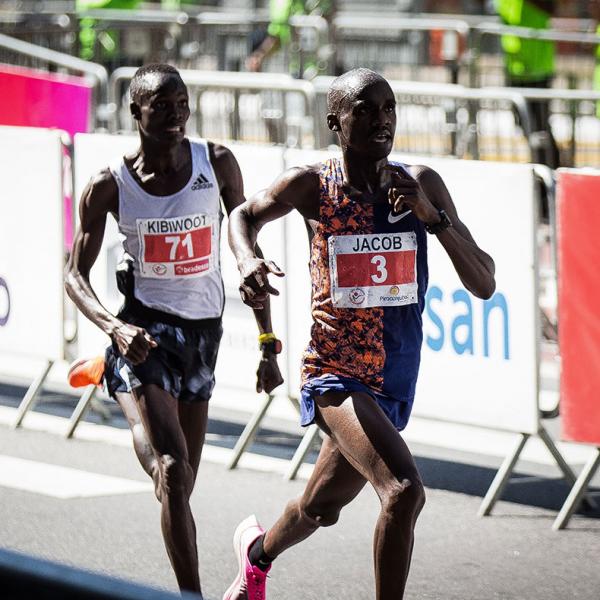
373,270
177,247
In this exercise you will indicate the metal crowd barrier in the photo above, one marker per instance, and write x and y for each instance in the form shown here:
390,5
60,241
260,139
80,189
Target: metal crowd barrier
252,107
55,30
414,48
207,40
433,119
575,54
574,121
420,47
139,36
452,120
223,40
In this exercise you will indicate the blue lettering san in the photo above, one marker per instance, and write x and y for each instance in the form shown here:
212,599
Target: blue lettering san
465,320
434,293
461,328
496,301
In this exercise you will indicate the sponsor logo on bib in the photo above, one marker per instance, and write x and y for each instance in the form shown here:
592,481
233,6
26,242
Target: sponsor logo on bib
357,296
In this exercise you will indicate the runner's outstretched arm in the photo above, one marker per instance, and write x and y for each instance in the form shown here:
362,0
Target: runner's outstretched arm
426,194
296,188
99,198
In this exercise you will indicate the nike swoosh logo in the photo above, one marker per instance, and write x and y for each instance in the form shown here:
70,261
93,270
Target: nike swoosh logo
395,218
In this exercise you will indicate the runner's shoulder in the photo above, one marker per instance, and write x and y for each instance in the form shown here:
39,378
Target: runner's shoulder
426,176
419,171
220,155
101,194
303,179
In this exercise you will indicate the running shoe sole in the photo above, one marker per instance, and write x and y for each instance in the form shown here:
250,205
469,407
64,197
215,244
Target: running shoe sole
248,522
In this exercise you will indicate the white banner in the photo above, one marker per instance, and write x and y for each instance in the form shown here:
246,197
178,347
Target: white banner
239,354
479,359
31,243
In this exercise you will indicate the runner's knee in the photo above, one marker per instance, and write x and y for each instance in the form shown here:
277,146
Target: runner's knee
404,499
177,474
138,432
319,515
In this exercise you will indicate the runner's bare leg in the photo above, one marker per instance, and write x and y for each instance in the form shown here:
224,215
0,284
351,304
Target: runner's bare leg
333,484
141,444
193,418
369,442
160,415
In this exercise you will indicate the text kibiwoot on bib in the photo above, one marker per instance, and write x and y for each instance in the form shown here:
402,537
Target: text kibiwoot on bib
373,270
177,247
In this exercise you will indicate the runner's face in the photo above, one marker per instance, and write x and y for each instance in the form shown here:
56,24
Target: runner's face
165,111
368,121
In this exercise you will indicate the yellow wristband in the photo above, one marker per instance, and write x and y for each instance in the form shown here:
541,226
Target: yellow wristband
266,337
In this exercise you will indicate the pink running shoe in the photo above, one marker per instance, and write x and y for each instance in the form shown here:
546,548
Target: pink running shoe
250,583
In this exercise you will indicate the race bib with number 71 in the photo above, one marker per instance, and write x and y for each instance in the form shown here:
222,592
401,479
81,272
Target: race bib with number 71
177,247
373,270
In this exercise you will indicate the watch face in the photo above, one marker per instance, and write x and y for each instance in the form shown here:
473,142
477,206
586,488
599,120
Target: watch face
273,346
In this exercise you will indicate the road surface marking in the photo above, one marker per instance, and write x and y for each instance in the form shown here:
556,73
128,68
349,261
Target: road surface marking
63,482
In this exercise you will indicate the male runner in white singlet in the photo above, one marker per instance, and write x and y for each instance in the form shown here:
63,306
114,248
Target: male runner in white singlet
160,366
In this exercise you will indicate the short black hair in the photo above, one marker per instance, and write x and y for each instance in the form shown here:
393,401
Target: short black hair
350,84
139,88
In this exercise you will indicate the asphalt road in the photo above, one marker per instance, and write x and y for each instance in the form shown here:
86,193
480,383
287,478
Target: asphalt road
512,555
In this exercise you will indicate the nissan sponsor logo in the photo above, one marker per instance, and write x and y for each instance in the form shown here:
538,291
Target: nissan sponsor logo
4,303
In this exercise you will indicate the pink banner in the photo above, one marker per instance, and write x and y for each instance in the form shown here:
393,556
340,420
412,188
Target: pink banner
37,99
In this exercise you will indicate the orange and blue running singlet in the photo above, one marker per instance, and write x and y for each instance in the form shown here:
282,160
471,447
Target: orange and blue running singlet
369,277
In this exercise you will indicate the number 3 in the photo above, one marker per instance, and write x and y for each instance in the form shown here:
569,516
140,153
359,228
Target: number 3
382,274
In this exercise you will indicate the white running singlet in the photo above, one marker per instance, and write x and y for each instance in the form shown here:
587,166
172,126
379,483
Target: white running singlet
173,241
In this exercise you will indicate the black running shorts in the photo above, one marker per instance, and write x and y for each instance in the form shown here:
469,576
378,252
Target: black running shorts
183,363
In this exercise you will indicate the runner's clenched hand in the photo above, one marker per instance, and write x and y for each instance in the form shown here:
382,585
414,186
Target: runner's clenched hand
134,343
254,284
268,375
406,193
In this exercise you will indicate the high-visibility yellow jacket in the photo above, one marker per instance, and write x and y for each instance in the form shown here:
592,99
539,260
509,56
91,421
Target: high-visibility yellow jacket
526,60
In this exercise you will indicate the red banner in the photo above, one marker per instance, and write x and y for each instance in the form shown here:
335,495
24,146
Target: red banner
578,211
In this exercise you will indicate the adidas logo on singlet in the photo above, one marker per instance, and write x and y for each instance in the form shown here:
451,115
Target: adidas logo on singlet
201,183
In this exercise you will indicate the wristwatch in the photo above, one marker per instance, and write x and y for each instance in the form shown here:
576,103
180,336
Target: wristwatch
268,342
444,223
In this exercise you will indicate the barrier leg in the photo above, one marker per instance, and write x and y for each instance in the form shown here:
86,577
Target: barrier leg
562,465
577,492
502,476
97,406
29,399
80,410
295,403
249,432
301,452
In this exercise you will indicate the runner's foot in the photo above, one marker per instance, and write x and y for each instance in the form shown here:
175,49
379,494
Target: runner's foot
86,371
250,583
